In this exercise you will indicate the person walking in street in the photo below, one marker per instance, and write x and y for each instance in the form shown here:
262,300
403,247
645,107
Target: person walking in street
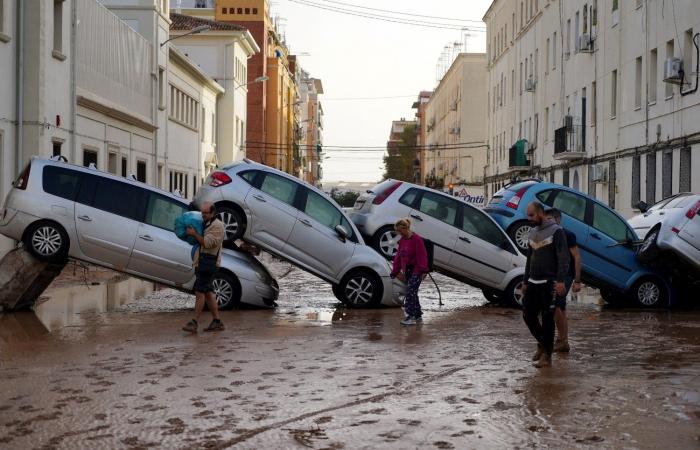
207,259
411,267
572,281
545,270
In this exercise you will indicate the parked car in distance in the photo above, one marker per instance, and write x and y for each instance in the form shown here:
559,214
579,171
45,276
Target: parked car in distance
671,225
469,245
607,243
59,210
299,223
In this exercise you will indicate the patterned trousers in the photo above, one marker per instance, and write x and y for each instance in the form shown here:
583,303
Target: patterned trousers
411,303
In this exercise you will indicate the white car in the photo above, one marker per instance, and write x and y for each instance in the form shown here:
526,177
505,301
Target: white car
673,224
301,224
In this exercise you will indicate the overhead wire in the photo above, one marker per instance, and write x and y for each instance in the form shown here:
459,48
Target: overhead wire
401,13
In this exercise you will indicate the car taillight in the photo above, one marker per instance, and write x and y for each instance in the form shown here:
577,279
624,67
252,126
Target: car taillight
23,179
219,179
515,200
379,199
693,211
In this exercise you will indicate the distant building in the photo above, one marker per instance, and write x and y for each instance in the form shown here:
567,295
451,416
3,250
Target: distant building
310,119
420,105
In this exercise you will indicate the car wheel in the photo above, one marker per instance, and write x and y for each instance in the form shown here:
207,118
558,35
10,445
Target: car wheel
649,293
649,251
337,292
233,222
361,289
518,233
513,294
47,241
491,296
227,290
386,242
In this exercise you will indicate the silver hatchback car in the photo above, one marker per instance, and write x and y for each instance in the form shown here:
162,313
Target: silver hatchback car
61,210
299,223
468,244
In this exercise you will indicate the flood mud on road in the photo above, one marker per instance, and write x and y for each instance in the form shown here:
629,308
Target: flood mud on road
107,366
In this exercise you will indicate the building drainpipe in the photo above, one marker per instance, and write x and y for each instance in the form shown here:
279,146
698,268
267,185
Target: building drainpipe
20,90
73,87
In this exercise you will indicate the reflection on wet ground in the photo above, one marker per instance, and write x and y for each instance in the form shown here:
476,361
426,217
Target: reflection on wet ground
90,372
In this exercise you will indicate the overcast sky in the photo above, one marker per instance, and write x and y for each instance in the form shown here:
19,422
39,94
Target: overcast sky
360,57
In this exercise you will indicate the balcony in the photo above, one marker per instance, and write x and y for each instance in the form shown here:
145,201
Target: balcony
568,143
517,156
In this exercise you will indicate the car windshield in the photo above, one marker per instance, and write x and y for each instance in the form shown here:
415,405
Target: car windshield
662,204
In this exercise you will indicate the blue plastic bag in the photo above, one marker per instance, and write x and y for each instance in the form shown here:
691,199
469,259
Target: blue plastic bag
189,219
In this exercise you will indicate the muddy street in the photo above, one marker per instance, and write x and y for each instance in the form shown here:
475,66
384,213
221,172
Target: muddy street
107,366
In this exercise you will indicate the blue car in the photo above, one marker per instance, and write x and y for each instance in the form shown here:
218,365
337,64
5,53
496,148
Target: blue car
606,241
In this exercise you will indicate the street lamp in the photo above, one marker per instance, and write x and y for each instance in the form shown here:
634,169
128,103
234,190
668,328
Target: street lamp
257,80
195,30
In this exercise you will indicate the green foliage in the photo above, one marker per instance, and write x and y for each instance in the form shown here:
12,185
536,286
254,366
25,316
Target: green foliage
346,199
399,163
434,182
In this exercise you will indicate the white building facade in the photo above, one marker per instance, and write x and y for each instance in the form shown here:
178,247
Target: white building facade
456,124
578,94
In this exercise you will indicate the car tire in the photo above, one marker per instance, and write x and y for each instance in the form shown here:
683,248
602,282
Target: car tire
47,241
513,295
492,296
385,241
227,290
518,233
649,293
337,292
361,289
234,223
649,251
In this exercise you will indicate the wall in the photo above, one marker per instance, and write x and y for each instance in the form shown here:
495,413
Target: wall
8,92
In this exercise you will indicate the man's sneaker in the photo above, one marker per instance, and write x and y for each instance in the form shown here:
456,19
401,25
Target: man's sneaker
191,326
544,361
409,321
418,319
538,353
562,347
215,325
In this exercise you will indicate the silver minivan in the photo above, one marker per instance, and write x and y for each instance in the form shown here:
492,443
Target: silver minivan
59,210
468,244
299,223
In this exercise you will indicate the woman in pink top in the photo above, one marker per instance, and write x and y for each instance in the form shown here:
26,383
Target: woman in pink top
410,266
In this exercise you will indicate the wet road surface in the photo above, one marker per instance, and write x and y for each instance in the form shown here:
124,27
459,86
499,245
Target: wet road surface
108,367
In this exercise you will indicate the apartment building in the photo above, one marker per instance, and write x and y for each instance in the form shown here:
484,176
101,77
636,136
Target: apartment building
310,126
456,123
420,106
598,95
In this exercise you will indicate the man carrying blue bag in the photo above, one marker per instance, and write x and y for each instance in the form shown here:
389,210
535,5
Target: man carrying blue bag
207,258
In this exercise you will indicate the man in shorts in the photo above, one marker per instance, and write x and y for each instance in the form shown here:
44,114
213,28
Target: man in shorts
571,281
207,259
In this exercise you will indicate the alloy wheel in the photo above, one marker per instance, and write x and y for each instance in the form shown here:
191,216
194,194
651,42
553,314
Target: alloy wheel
359,290
521,234
388,243
518,293
231,224
223,291
47,241
648,293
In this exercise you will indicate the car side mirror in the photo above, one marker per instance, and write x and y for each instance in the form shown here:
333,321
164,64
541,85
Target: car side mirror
642,206
342,232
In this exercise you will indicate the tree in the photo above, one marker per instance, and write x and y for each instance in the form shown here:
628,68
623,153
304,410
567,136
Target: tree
399,161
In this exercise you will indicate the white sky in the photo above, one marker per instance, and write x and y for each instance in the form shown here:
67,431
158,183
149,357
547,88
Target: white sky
359,57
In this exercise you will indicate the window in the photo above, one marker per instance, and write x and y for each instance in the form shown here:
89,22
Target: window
280,188
636,172
239,10
546,58
638,83
576,32
478,224
688,50
568,38
667,174
106,191
684,167
141,171
613,94
554,51
112,163
89,157
409,197
247,10
161,88
652,75
669,54
609,224
56,147
594,104
162,211
2,16
183,108
612,183
570,204
58,26
322,211
651,179
178,181
615,12
585,18
439,207
255,10
249,176
223,10
60,182
125,166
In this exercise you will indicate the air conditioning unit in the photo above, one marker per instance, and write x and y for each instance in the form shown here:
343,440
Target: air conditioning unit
585,43
569,122
673,68
600,173
530,85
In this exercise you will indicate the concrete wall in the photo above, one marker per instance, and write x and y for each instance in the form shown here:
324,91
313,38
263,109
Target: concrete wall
8,92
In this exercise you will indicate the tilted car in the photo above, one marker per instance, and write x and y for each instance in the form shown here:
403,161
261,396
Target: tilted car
299,223
607,243
59,210
671,225
468,244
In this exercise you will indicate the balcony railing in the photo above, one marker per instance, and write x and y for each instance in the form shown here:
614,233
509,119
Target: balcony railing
568,142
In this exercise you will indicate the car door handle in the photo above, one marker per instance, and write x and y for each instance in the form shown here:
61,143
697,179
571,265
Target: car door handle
305,222
85,218
417,217
465,239
595,236
259,197
146,238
